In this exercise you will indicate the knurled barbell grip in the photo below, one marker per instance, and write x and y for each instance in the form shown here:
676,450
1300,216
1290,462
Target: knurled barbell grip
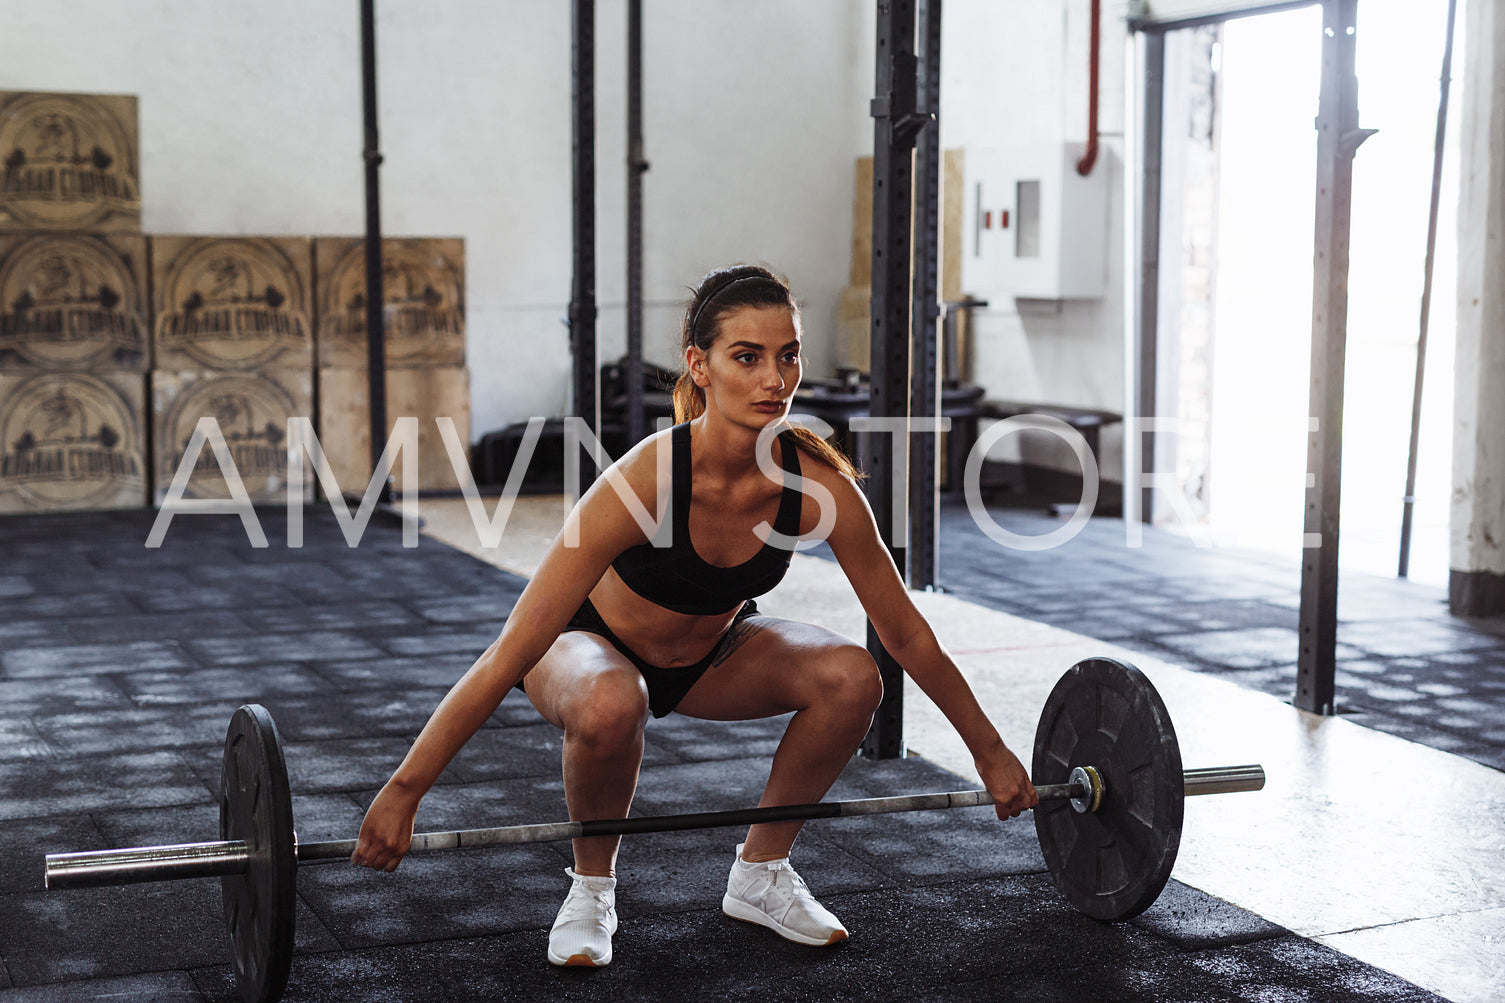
193,860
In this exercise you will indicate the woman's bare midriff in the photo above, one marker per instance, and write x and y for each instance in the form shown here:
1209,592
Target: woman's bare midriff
659,636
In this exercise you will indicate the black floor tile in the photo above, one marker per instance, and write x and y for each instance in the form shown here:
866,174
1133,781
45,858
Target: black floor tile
110,732
332,616
79,603
322,645
98,932
530,750
441,642
223,687
20,742
27,841
45,789
81,659
159,987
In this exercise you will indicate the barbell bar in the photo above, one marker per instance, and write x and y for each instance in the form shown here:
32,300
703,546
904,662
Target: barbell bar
174,861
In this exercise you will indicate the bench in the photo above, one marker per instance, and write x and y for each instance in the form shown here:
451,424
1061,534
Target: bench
1085,420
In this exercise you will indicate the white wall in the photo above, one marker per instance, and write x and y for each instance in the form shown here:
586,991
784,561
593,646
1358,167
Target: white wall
250,121
1016,74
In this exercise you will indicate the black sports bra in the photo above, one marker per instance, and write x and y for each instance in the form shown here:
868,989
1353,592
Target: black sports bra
676,578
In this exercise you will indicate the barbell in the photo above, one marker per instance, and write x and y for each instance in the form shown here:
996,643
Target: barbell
1107,768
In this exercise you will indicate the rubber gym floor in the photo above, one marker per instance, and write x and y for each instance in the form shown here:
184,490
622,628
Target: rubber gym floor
120,667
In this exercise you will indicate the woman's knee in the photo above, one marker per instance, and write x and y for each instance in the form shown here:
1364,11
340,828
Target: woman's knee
848,679
610,711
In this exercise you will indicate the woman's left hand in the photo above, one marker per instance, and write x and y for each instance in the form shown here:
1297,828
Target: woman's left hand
1005,778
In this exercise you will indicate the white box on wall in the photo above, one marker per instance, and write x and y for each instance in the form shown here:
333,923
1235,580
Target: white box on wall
1035,228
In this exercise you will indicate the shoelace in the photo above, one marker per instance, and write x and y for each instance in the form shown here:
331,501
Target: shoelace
584,903
784,873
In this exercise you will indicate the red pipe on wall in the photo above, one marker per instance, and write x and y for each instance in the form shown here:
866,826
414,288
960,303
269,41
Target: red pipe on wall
1084,166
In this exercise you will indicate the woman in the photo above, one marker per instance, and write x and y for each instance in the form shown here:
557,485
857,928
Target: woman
613,628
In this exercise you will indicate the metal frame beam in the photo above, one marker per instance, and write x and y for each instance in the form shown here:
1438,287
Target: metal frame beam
636,165
583,170
1403,563
1148,334
376,359
896,125
1338,138
925,312
1248,10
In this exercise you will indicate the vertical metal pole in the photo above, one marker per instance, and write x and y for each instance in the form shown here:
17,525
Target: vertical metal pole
376,360
1149,257
583,284
1338,137
896,123
1426,297
636,165
924,486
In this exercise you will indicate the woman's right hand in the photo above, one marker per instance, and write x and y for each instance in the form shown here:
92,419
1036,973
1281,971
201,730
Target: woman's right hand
387,831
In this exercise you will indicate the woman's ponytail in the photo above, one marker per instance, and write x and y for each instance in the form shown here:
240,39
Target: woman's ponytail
689,400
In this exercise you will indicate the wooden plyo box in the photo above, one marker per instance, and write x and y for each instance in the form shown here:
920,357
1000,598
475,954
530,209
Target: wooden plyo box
70,162
854,319
252,412
73,301
232,303
426,394
72,441
423,289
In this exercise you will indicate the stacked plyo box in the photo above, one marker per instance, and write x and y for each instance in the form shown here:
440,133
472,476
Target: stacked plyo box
233,338
73,308
423,289
854,319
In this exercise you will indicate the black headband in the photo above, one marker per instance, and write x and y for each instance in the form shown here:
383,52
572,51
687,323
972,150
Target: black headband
695,317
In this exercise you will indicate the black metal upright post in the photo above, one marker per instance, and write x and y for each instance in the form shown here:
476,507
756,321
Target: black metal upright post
896,124
1148,335
925,313
636,165
1338,138
376,359
1404,563
583,283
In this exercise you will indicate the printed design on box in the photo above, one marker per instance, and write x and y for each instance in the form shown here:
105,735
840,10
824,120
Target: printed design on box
252,413
422,304
232,304
70,303
69,162
69,441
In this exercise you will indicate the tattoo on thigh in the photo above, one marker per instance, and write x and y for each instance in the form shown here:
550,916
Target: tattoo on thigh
734,638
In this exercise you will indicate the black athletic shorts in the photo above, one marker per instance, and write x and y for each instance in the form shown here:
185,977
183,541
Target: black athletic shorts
666,686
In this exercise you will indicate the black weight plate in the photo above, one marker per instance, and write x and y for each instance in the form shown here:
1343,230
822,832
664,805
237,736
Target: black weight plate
256,805
1112,863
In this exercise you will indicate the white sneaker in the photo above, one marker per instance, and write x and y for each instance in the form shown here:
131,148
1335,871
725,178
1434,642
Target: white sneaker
773,895
582,931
